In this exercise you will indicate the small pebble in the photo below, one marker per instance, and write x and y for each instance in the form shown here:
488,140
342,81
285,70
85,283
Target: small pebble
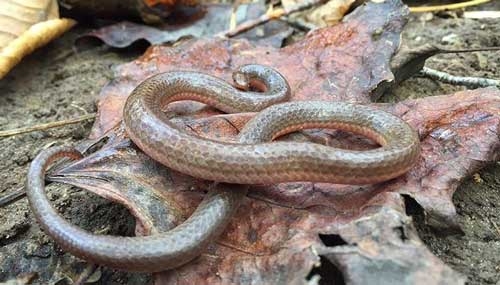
450,39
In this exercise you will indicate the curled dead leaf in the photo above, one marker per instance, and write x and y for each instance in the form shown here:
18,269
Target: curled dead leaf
16,18
26,26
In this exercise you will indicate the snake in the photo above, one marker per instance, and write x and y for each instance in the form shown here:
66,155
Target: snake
256,158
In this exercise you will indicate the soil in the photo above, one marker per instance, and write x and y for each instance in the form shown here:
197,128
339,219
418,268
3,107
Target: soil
59,82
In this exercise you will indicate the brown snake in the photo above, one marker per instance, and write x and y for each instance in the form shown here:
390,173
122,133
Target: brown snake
253,160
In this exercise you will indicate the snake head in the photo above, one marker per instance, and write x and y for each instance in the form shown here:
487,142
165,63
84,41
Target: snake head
242,80
255,77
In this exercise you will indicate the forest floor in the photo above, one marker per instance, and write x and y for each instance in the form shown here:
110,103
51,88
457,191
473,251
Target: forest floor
60,82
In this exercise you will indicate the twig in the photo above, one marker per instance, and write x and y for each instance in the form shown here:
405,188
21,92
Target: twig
481,14
447,6
20,192
471,82
270,15
445,50
496,227
86,273
408,62
299,24
12,197
41,127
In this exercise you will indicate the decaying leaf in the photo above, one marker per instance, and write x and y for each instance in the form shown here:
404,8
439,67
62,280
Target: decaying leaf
208,21
460,135
369,246
26,26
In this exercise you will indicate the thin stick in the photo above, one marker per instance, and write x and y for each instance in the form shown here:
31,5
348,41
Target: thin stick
86,273
41,127
444,50
270,15
299,24
20,192
496,227
447,6
482,14
12,197
471,82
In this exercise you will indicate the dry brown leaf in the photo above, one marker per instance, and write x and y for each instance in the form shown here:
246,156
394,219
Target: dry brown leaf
330,13
325,15
16,18
26,26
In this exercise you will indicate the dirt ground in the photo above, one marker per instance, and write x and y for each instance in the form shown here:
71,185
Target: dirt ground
60,82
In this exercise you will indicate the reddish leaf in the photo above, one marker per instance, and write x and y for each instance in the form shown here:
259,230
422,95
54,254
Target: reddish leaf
459,134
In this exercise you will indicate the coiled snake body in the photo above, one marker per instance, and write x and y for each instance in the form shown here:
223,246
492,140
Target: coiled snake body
253,160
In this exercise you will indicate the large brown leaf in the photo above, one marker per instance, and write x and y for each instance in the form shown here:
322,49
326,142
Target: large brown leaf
281,230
